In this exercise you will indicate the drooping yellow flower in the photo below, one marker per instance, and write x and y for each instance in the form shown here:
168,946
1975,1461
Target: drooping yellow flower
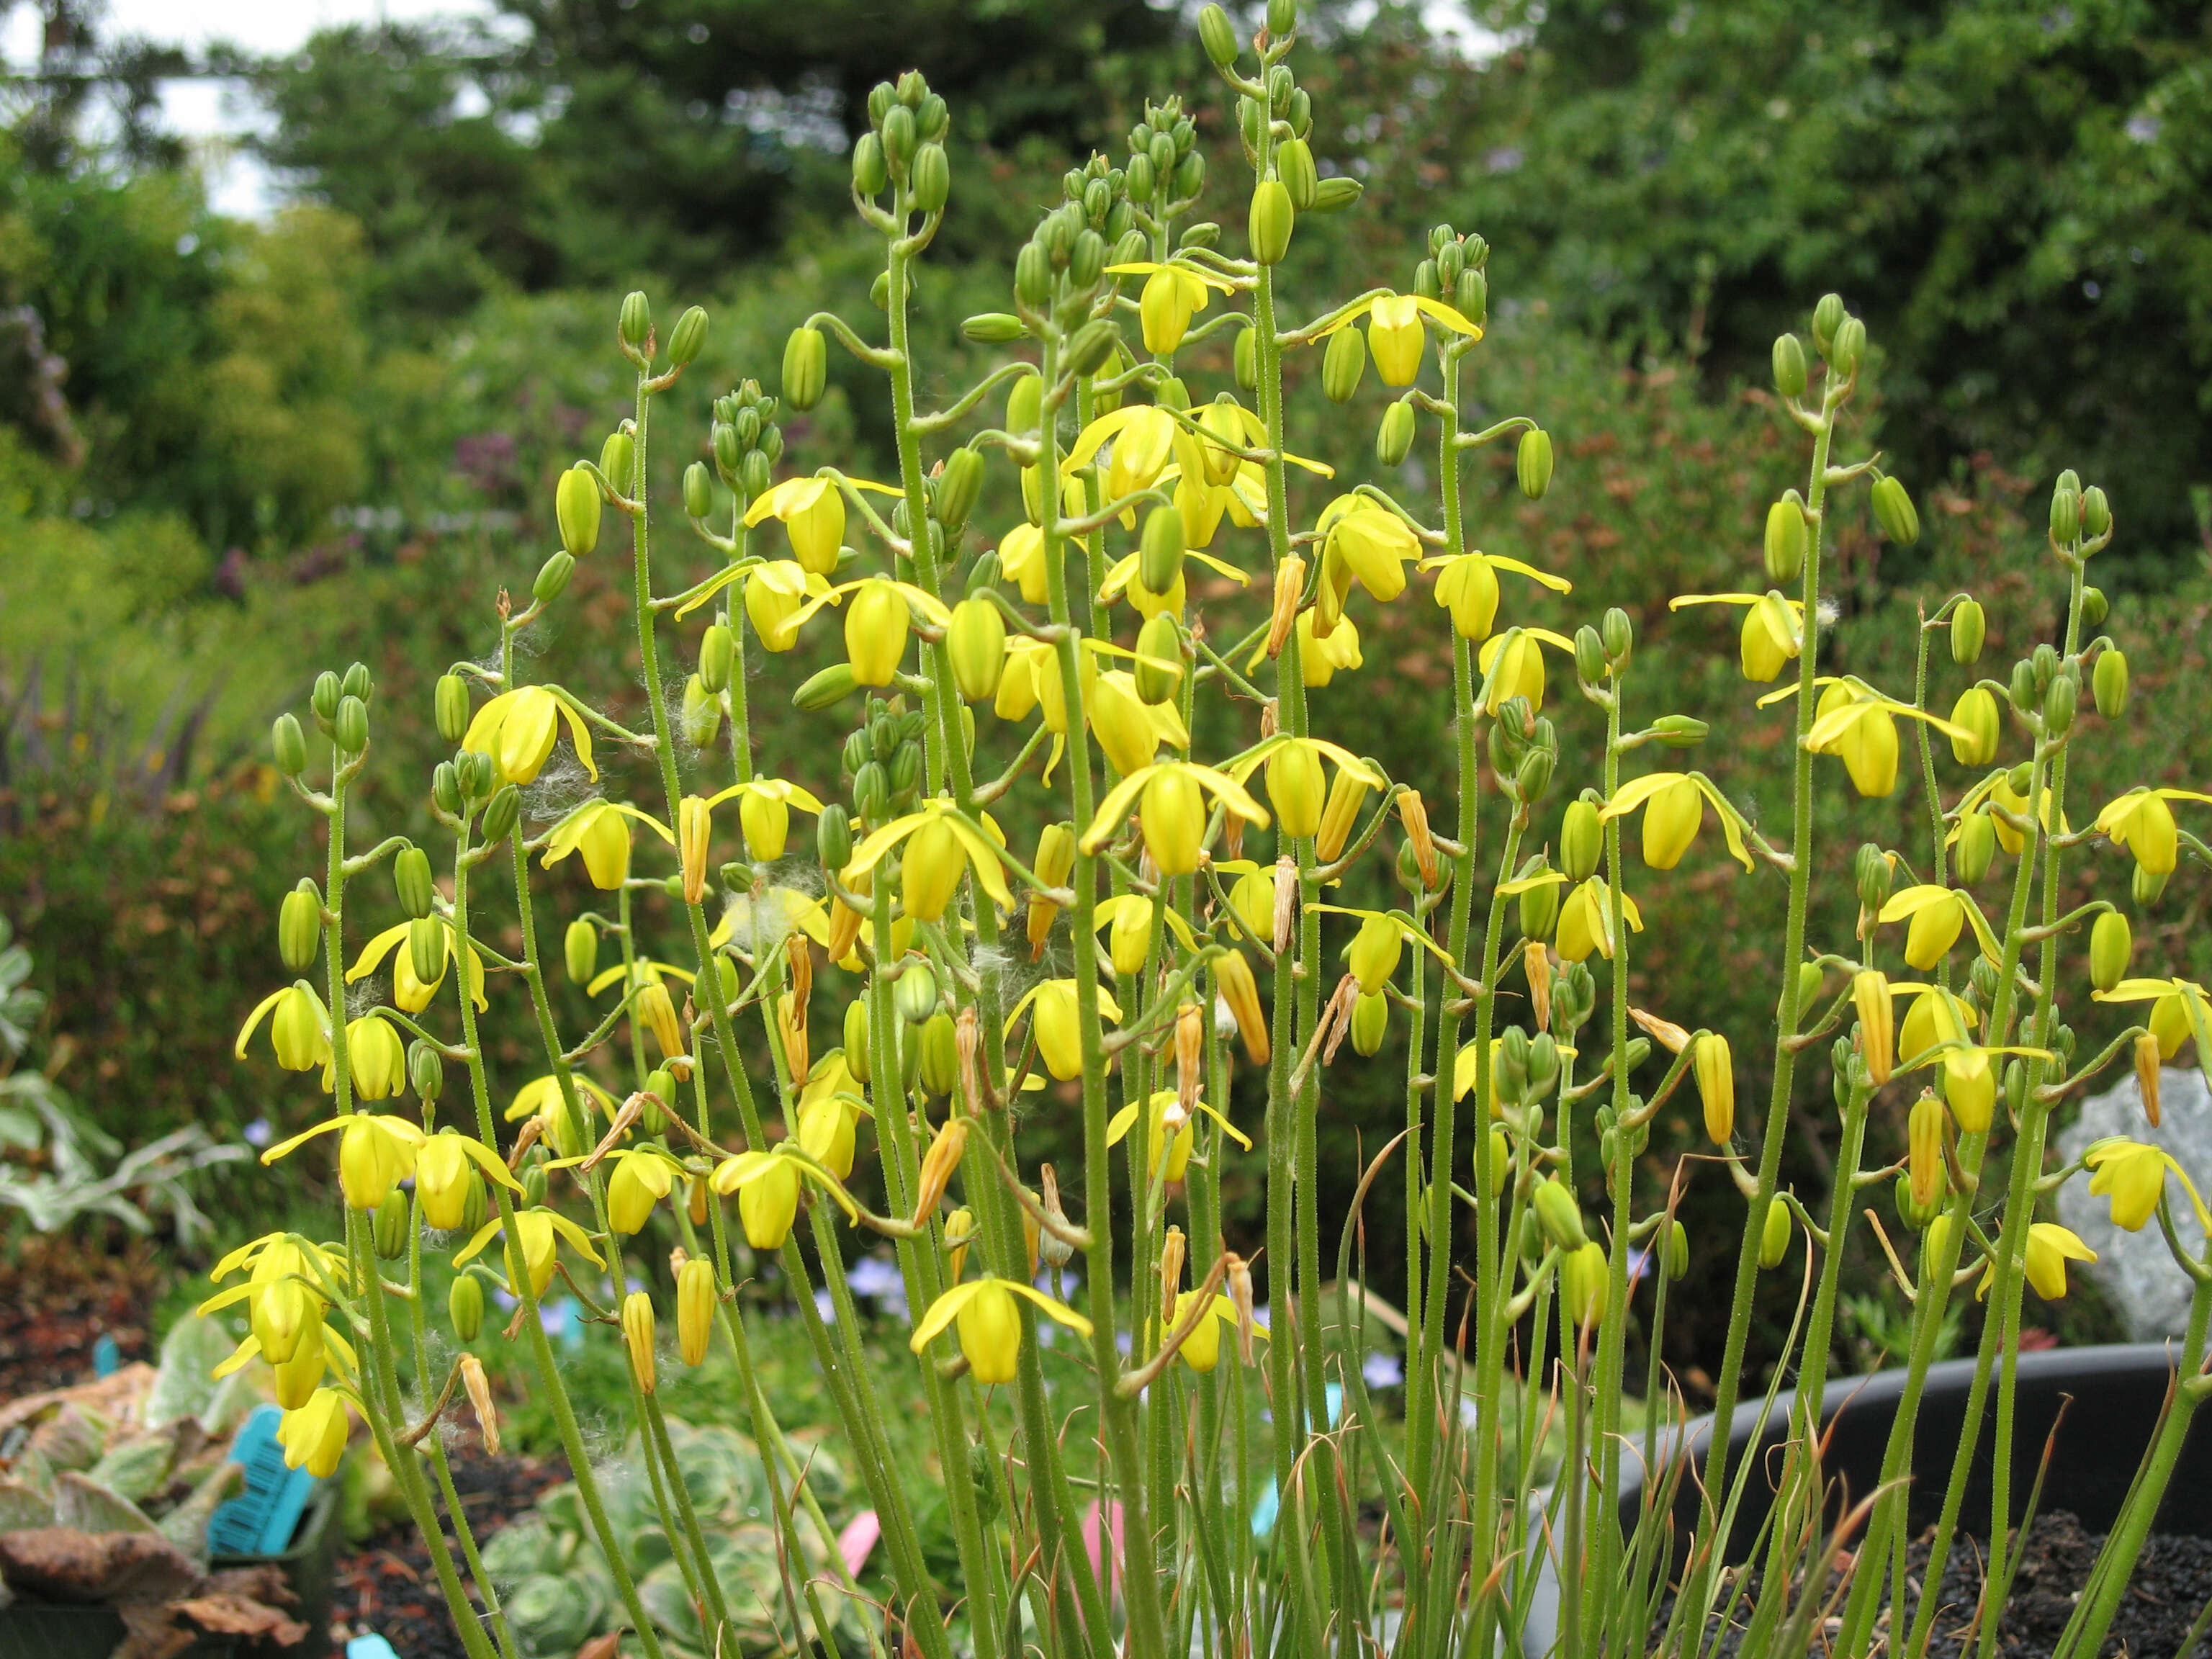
1173,294
990,1325
1467,587
1394,333
314,1437
2133,1175
1937,916
442,1168
300,1031
538,1236
1172,1135
598,831
1057,1024
1771,638
375,1154
2179,1010
812,512
1143,436
1173,815
640,1178
516,729
942,845
2050,1248
1201,1349
1587,922
410,993
2142,822
1858,725
1368,544
1673,805
1512,666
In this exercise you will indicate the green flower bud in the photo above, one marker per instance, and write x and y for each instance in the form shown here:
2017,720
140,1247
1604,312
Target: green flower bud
552,580
1533,775
300,926
1142,181
1093,344
2065,516
1870,873
1774,1238
1343,363
1786,536
1581,841
2059,703
1428,280
1676,1254
2094,607
465,1308
357,684
1848,349
1282,18
1977,846
389,1231
1395,438
702,715
1680,731
1159,558
1033,275
635,323
833,837
500,814
858,1060
899,137
1159,658
1086,260
2109,679
870,174
2147,885
1539,905
1557,1213
411,875
958,487
1828,317
688,335
618,461
1788,366
2023,688
352,727
426,1070
289,746
534,1183
992,328
1471,296
1532,465
579,950
1589,656
477,775
445,788
1894,511
1968,629
426,948
718,649
1618,634
805,367
1294,166
827,689
323,700
756,474
1218,36
914,992
1244,360
2096,513
1810,978
2111,942
698,491
1270,221
1332,194
1976,713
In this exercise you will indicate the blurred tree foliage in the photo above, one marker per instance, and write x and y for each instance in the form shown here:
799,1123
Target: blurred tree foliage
2017,194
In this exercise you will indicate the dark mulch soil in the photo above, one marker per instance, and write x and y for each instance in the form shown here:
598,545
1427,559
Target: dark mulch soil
2173,1581
388,1587
57,1299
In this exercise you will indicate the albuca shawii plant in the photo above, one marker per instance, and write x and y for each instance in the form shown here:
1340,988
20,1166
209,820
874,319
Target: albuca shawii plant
1168,921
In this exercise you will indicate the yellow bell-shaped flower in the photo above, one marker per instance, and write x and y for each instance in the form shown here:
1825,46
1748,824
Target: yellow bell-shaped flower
1713,1066
1671,818
1395,337
314,1437
1373,955
1769,641
1862,733
375,1057
2050,1248
637,1328
640,1179
768,1196
696,1300
1970,1088
989,1325
1295,788
876,627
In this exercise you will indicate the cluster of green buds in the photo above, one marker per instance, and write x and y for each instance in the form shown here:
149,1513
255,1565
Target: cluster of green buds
904,149
746,443
1166,170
